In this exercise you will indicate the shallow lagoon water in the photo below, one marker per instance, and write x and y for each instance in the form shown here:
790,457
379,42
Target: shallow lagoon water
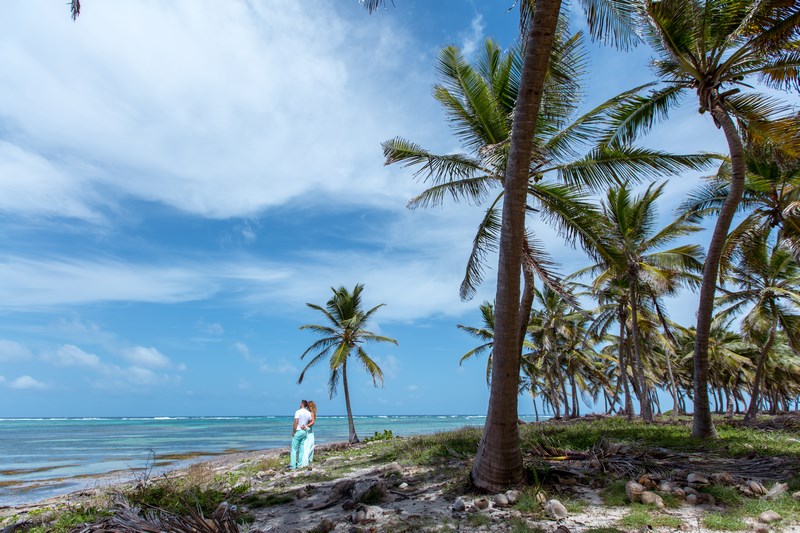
44,457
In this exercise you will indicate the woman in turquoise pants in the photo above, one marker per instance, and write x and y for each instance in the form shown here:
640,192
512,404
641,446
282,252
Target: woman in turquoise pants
308,444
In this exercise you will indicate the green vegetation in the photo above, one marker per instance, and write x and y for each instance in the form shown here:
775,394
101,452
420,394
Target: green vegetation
69,519
724,522
641,515
386,435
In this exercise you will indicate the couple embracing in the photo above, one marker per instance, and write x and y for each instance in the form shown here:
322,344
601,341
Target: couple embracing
302,452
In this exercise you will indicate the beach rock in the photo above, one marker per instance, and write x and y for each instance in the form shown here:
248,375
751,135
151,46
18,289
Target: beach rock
541,498
696,479
371,512
500,500
685,527
776,490
633,491
706,498
481,503
680,473
679,493
403,486
647,482
562,529
358,517
768,517
349,505
690,490
692,499
756,487
301,493
513,496
722,478
762,529
665,486
651,498
556,509
369,491
459,506
796,496
325,525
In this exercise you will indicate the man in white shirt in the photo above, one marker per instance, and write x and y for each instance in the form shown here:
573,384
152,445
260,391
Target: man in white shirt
301,419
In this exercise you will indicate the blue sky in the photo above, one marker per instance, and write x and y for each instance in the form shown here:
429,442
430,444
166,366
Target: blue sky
177,180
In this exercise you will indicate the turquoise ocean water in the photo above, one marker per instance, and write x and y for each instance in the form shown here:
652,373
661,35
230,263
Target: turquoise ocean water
44,457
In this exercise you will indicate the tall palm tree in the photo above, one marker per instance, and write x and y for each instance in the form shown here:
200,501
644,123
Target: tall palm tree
479,101
342,337
769,281
632,261
716,48
770,201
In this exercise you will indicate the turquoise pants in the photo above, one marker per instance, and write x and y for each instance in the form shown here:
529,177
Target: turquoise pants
297,447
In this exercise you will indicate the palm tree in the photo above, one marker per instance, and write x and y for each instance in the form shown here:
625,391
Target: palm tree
484,334
342,337
479,101
770,201
632,267
769,281
715,47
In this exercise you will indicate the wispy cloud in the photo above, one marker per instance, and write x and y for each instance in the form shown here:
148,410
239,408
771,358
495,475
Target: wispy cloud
143,356
27,383
13,351
473,38
70,355
204,112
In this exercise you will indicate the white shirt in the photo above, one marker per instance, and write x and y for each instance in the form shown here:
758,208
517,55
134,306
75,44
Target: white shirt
303,417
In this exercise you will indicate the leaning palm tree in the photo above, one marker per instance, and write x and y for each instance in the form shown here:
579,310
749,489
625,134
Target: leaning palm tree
716,48
769,281
633,261
485,335
341,338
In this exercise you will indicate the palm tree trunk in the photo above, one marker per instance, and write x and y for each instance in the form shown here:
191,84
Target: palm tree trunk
752,411
623,363
673,388
535,408
644,391
498,462
353,437
575,407
702,425
729,401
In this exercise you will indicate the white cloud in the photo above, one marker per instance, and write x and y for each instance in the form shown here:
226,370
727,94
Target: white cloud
472,39
27,383
146,357
282,367
243,384
13,351
199,109
213,328
70,355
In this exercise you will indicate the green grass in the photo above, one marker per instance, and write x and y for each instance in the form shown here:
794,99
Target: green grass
527,502
478,520
734,441
614,495
518,525
724,522
641,515
724,495
69,519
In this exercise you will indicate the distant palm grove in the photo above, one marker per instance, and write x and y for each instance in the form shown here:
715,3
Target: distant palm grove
603,335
